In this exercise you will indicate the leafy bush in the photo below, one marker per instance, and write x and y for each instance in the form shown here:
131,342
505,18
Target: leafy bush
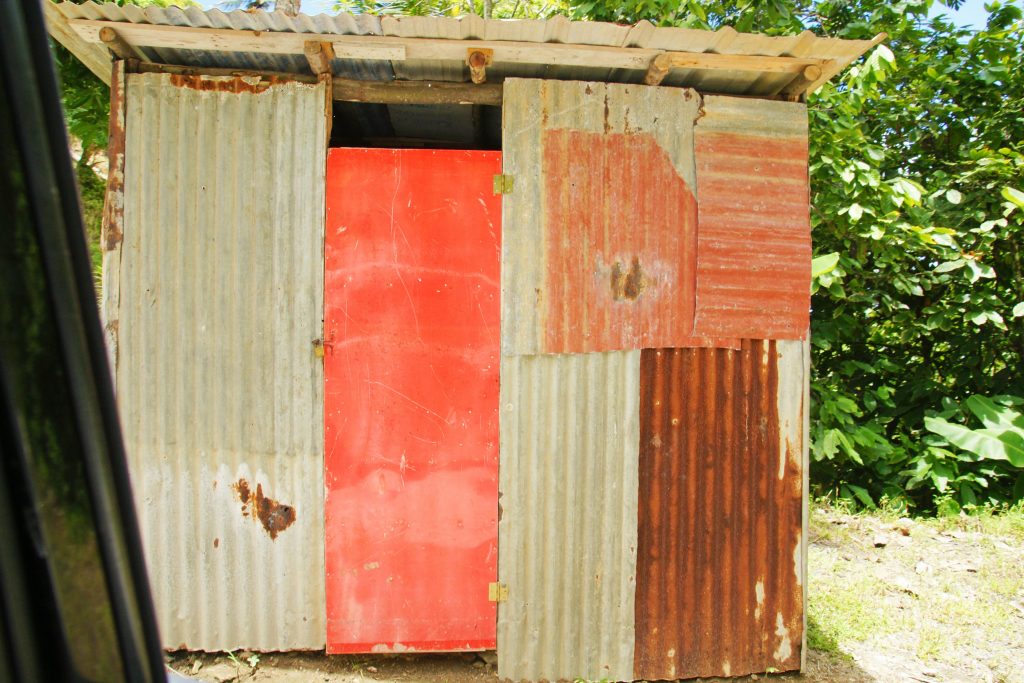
988,463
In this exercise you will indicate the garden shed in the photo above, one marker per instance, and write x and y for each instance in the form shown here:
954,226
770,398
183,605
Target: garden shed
437,334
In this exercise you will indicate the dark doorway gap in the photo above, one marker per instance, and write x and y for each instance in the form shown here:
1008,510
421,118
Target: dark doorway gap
416,126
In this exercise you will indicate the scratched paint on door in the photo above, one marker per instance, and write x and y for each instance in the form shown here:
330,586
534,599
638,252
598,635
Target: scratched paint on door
411,328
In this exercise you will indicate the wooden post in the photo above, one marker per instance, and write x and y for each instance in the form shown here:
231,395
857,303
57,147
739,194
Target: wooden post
801,82
319,56
118,45
479,59
658,69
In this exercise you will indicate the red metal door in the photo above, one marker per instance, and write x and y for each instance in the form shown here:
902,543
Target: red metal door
411,399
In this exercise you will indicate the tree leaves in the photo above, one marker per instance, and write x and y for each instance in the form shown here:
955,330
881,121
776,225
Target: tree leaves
824,264
1014,196
991,444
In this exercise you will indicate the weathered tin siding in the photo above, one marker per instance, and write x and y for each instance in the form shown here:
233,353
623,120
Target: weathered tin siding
754,241
600,227
721,515
220,394
568,515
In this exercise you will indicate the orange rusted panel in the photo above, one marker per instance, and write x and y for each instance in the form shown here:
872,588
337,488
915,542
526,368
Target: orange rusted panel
754,240
411,400
719,554
620,232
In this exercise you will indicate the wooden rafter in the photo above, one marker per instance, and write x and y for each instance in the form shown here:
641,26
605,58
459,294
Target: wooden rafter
319,56
118,45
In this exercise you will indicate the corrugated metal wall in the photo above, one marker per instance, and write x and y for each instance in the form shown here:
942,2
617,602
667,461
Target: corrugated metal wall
568,515
754,239
720,568
706,537
599,228
220,298
221,396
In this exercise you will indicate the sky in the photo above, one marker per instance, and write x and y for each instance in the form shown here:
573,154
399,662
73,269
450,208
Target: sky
971,14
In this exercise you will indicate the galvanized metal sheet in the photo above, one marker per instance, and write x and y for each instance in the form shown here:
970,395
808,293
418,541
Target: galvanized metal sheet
754,241
411,365
721,555
568,518
556,29
600,227
220,393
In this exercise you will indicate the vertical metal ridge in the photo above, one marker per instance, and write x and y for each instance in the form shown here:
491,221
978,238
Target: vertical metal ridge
567,533
220,297
719,590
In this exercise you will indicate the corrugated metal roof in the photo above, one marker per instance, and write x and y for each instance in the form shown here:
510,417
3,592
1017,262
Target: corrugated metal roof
568,516
754,242
720,566
557,30
221,397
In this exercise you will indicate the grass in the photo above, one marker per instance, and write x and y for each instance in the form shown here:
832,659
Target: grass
932,593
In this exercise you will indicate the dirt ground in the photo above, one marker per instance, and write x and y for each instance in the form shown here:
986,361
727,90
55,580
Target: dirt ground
315,667
890,599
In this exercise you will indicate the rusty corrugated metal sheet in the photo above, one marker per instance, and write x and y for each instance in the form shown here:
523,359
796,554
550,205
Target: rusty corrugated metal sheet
721,555
619,236
754,240
568,516
600,226
220,394
556,29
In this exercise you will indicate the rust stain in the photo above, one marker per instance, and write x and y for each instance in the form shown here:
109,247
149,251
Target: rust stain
238,84
627,284
274,516
216,543
718,592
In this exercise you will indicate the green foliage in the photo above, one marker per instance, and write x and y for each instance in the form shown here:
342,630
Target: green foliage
918,313
86,100
91,190
917,175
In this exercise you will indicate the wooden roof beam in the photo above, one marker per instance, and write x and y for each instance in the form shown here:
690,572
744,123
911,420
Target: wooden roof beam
417,92
91,53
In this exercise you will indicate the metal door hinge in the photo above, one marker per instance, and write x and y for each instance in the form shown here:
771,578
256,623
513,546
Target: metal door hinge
497,592
320,346
502,184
